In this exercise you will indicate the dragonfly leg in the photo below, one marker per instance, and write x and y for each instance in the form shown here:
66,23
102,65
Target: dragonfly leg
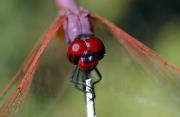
99,76
79,80
76,79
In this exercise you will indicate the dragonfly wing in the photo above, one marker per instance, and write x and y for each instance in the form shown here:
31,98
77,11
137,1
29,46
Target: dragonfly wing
23,68
153,84
17,97
142,53
31,63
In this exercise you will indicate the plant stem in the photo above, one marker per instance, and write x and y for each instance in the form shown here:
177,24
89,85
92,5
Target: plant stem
90,105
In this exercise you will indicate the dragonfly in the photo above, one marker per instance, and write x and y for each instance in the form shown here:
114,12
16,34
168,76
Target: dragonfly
85,50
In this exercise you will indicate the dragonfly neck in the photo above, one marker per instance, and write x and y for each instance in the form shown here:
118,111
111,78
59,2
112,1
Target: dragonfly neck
85,36
68,5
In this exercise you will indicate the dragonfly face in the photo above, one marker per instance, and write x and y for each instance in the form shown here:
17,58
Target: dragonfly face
86,52
88,61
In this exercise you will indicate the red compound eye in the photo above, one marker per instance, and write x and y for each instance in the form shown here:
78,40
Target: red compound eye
88,61
96,46
76,50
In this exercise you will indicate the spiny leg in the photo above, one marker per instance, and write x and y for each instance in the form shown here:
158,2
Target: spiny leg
79,80
99,76
76,79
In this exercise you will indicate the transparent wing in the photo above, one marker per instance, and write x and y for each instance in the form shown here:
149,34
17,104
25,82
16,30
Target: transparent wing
137,80
146,56
29,67
23,68
12,106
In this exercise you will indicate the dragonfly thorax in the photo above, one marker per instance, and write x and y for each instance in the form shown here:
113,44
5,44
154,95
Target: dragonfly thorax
76,25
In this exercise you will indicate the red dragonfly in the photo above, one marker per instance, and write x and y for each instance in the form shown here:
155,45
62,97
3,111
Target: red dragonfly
85,51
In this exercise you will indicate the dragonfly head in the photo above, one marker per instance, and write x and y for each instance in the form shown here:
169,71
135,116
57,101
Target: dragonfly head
86,51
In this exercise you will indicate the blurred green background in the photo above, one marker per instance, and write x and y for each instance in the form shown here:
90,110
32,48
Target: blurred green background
124,91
